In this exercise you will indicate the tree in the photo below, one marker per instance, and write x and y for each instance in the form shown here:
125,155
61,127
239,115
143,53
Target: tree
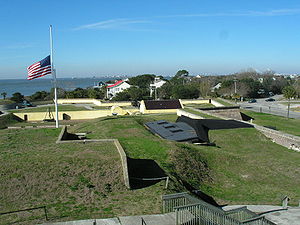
164,92
289,92
4,94
182,73
185,92
297,87
132,94
204,88
17,97
61,93
39,96
142,81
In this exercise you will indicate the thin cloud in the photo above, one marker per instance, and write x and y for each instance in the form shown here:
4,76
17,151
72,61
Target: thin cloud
277,12
132,24
112,24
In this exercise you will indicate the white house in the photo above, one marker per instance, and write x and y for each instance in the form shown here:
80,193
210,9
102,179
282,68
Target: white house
117,87
157,83
216,87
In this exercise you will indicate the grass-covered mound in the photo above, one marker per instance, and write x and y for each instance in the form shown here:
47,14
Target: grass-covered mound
290,126
45,109
78,181
8,119
74,181
244,167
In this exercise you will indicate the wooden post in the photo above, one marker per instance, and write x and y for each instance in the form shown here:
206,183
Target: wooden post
167,183
285,202
46,215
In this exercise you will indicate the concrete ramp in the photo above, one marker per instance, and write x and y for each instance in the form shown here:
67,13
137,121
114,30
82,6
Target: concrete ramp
110,221
158,219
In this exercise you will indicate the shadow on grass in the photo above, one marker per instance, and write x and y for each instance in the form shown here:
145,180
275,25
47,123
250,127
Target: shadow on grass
144,173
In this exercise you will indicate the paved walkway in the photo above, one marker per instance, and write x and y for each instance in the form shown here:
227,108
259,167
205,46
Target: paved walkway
290,216
276,214
158,219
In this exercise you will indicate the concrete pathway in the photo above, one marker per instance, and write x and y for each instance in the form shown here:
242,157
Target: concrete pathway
276,214
158,219
110,221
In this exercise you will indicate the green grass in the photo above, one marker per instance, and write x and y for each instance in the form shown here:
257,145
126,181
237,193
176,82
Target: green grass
45,109
225,103
74,181
78,181
292,103
247,168
5,101
101,107
206,116
206,105
290,126
8,119
44,102
244,168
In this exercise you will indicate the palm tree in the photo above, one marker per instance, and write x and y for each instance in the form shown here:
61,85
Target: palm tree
289,92
4,95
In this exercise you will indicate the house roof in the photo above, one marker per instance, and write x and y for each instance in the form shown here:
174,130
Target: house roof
163,104
116,84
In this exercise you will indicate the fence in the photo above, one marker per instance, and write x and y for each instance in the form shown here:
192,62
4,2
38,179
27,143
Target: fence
192,211
26,210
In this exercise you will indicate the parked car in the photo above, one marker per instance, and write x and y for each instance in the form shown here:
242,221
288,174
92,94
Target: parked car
270,100
252,101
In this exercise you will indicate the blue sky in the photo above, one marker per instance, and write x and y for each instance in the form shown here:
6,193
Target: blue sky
130,37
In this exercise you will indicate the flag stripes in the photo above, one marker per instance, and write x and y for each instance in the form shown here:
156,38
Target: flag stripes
39,69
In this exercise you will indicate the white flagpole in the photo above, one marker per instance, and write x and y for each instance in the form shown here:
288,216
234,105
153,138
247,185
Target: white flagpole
54,78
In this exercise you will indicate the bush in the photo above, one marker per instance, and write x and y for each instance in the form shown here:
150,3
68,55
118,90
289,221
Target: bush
189,166
17,97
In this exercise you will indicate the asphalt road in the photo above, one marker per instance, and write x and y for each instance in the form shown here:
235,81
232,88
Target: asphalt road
274,107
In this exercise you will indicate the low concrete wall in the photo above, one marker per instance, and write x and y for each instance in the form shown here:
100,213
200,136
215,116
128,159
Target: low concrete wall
91,101
67,115
124,162
181,112
217,104
109,104
195,101
283,139
229,113
160,111
79,101
116,142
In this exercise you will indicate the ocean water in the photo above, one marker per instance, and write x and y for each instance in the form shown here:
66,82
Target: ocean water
29,87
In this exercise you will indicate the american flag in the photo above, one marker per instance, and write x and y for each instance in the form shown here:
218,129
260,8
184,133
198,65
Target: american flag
39,69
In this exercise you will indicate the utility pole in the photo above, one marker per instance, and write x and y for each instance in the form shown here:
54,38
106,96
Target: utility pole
235,80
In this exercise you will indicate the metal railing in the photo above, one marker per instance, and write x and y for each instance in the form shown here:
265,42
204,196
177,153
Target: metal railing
143,221
241,214
193,211
26,210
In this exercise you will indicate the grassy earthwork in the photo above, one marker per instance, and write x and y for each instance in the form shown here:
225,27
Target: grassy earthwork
5,101
52,108
290,126
225,103
81,181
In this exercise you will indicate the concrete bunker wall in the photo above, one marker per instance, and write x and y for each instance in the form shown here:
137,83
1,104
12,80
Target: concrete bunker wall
64,138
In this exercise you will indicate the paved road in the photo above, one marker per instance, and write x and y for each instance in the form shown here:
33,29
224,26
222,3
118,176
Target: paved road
269,107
